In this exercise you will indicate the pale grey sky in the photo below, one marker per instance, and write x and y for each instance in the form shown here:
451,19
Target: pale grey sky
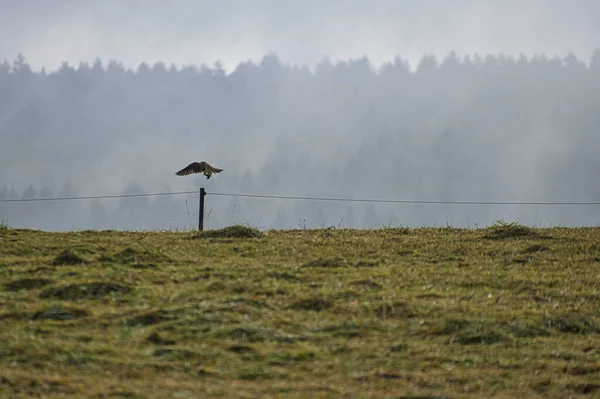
301,32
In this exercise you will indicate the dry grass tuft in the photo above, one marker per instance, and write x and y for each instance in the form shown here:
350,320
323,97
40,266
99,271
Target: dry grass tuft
27,284
68,258
73,292
237,231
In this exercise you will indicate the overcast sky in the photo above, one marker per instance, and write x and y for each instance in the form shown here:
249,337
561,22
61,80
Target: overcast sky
302,32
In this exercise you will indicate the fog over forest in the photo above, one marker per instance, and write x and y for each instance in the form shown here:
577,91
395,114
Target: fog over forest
494,101
482,128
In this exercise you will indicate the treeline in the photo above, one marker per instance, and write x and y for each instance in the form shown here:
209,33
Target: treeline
492,128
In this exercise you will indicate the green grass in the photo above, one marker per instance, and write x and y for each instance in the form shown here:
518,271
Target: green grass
506,311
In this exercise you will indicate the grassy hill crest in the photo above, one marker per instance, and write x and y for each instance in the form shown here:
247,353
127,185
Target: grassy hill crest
505,311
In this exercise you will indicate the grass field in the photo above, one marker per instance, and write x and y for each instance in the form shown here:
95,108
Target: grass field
506,311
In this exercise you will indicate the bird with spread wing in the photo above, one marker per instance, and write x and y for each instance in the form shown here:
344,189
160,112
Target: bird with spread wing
199,167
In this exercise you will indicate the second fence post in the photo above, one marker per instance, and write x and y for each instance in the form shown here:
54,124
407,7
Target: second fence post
201,213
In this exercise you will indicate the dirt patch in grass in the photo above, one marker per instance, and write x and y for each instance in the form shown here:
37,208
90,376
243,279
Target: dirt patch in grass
241,349
139,259
314,304
244,304
397,348
246,334
283,276
231,232
151,266
583,369
393,310
524,330
449,326
215,286
349,330
157,339
477,335
15,316
286,357
27,284
584,388
423,397
149,317
119,394
260,373
68,258
60,313
73,292
365,284
573,324
329,262
176,354
534,249
367,263
542,385
340,262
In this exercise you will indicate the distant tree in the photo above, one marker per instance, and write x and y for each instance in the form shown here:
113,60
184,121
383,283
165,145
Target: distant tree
98,71
281,220
451,63
4,70
427,65
131,210
30,192
20,65
486,126
397,70
349,219
12,194
98,216
595,62
143,69
324,68
371,217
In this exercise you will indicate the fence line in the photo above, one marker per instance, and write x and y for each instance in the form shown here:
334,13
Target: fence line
96,197
401,201
393,201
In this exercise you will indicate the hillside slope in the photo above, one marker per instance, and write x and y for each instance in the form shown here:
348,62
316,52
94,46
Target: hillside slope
506,311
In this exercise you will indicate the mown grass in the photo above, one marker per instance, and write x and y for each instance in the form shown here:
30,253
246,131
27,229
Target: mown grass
507,311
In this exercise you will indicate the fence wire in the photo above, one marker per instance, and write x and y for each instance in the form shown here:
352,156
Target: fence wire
96,197
305,198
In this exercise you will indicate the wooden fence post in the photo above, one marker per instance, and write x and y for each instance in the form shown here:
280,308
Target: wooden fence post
201,215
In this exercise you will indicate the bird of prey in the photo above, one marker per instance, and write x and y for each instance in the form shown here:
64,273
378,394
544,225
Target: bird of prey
198,167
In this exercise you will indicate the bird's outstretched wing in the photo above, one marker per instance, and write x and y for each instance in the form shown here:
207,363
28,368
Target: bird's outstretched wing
194,167
198,167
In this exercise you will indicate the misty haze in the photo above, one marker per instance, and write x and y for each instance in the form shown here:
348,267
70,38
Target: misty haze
486,125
